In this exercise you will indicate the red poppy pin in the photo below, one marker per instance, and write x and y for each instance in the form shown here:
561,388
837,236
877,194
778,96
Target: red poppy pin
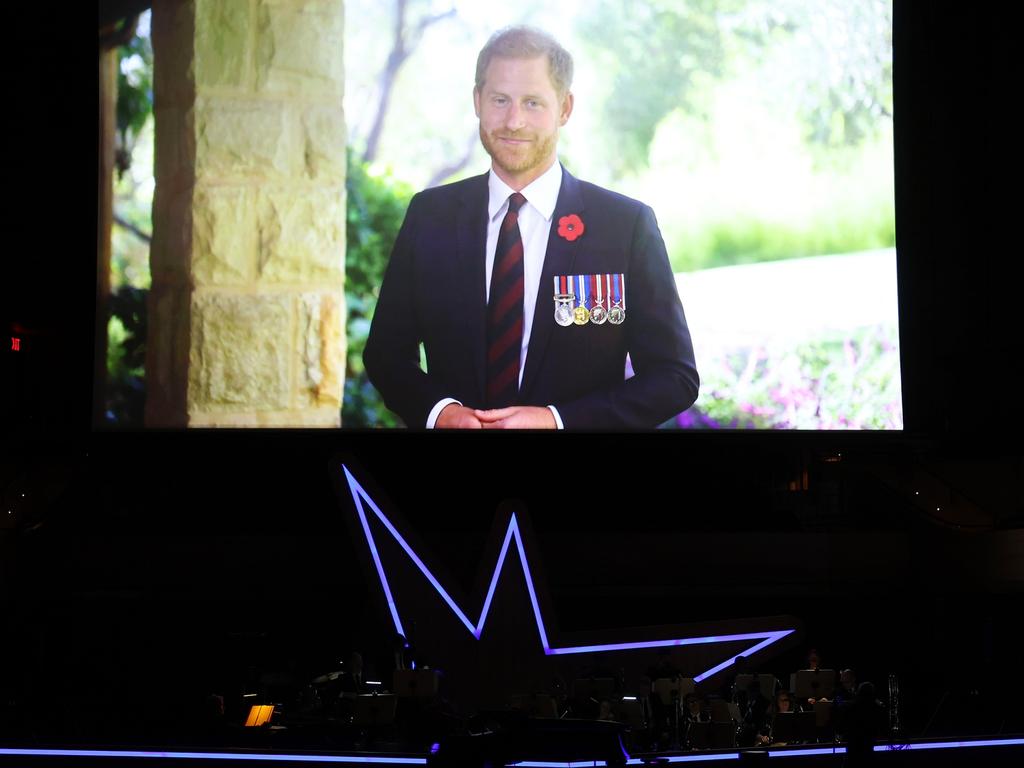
570,227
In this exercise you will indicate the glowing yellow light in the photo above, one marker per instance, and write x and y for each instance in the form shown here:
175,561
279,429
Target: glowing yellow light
259,714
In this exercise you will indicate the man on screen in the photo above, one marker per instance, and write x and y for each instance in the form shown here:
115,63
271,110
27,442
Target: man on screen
526,286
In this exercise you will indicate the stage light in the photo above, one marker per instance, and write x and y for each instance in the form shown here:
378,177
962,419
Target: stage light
359,495
258,715
951,744
238,756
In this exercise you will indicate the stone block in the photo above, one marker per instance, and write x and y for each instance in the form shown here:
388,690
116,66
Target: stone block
223,52
323,135
302,236
224,236
322,346
323,418
240,358
299,50
246,140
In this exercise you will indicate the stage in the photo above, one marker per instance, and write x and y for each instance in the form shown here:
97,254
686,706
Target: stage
1002,750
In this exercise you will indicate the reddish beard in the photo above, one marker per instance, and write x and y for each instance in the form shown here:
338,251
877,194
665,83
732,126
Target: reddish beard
515,160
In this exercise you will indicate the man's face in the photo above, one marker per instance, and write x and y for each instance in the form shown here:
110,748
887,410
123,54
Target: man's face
520,114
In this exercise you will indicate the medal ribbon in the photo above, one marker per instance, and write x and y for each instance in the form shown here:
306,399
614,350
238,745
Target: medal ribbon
581,285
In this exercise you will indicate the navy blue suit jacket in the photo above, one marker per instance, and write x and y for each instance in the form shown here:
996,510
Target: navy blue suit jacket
434,292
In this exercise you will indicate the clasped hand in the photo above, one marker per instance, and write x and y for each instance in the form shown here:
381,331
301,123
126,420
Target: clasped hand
455,416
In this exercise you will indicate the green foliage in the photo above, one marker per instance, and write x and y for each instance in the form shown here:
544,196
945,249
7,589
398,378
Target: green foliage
830,60
375,207
134,92
126,357
847,94
750,240
830,382
656,54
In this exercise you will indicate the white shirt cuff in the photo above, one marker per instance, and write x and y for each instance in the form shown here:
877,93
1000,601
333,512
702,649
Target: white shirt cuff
558,419
436,411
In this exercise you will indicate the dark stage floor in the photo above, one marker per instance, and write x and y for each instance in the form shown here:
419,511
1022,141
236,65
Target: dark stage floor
1001,750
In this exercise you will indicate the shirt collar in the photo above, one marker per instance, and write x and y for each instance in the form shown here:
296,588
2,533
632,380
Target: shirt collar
541,193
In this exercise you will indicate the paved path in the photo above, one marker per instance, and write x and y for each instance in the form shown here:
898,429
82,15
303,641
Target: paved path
784,302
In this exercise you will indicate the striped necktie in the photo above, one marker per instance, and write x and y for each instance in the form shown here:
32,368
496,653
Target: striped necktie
505,311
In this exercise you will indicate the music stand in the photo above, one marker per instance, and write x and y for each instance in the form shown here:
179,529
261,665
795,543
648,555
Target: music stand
698,735
784,727
788,727
822,714
723,735
806,726
373,709
813,683
416,683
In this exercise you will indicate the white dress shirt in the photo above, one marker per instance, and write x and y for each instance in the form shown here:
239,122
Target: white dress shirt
534,228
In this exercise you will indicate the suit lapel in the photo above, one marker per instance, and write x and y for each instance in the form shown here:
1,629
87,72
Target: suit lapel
471,226
558,260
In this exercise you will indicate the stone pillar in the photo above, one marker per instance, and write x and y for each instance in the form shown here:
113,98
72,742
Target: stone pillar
247,307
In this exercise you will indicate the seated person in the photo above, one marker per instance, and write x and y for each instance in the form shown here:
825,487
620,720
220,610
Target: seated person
693,709
783,704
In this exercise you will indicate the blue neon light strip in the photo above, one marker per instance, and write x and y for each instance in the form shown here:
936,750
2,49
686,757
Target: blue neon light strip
380,570
632,761
380,760
529,585
359,495
809,751
349,759
493,585
951,744
408,550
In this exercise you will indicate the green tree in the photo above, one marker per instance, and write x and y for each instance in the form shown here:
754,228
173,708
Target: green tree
656,55
134,93
375,208
662,55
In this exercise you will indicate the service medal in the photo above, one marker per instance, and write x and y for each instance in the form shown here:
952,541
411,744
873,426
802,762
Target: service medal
563,314
581,315
564,299
599,314
618,293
